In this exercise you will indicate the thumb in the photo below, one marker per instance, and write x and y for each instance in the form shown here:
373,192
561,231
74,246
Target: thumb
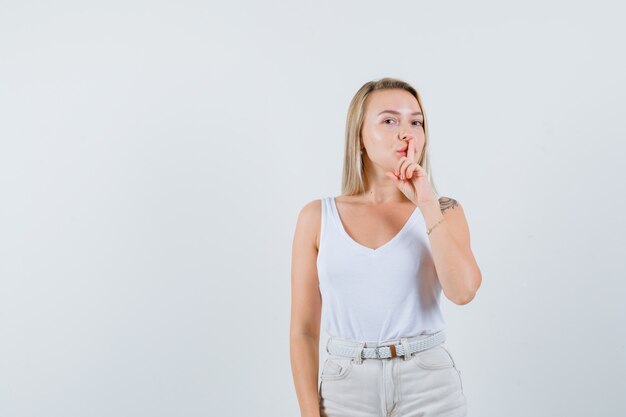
401,185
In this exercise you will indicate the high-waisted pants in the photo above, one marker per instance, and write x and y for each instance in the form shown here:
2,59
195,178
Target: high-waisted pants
425,384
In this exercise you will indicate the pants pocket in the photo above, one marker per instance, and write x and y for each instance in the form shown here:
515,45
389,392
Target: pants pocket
458,371
436,357
336,367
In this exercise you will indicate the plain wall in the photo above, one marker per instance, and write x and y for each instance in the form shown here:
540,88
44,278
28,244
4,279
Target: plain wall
154,157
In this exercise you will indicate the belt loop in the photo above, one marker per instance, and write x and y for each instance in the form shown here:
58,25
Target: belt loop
405,345
358,357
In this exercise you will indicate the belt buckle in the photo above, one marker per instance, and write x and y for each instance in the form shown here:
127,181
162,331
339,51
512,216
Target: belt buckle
392,349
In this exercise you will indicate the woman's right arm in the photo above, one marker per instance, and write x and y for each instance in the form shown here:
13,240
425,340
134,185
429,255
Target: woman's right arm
306,304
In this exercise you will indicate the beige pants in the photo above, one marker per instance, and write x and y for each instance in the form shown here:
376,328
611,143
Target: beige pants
428,384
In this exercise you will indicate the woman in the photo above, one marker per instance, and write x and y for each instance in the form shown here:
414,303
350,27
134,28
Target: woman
370,266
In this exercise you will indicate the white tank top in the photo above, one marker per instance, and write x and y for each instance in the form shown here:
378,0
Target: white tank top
377,295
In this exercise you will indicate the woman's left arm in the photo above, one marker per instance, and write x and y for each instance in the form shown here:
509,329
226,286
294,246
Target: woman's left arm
457,270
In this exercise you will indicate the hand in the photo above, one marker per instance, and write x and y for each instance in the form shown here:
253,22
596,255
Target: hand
410,178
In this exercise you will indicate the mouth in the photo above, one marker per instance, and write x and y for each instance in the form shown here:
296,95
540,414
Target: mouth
402,151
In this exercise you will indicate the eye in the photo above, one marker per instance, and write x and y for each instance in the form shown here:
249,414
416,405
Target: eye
386,120
417,121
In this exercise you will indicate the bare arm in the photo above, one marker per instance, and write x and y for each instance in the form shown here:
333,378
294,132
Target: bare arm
456,266
306,304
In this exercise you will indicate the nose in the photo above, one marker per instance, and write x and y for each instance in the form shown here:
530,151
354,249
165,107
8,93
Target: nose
406,136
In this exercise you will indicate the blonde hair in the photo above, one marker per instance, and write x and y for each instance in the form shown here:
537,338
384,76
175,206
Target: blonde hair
353,181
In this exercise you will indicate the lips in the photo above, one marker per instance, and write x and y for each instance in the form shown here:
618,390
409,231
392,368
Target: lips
403,149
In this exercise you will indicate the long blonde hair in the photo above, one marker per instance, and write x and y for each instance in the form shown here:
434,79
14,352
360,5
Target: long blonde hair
353,181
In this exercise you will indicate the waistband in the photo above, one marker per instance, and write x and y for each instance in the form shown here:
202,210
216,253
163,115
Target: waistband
404,347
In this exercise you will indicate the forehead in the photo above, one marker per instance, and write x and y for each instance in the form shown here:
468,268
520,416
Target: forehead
391,99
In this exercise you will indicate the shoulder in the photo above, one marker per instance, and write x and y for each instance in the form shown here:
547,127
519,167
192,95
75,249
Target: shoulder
309,221
310,210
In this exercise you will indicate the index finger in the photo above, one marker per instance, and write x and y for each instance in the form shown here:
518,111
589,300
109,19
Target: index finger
411,151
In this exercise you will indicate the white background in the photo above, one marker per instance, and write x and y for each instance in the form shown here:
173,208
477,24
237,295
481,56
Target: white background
154,157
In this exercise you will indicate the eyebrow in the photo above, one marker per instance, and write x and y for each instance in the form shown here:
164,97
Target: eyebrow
398,113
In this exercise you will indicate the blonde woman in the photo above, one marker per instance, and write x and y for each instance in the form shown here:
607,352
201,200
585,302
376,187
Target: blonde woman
370,265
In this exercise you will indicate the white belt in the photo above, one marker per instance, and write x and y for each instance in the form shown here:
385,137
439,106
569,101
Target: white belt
389,351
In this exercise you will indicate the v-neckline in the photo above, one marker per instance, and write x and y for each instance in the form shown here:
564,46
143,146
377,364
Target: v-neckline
363,248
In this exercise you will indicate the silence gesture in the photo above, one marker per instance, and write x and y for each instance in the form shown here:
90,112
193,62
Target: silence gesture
410,178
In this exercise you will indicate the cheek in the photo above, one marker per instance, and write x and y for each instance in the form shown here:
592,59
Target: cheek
377,135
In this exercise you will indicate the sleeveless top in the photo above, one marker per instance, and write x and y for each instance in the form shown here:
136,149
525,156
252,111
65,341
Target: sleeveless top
377,295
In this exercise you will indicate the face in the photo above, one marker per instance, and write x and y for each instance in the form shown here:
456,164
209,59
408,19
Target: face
389,124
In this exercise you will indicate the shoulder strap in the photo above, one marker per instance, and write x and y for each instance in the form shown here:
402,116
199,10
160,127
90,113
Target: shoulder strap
327,212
